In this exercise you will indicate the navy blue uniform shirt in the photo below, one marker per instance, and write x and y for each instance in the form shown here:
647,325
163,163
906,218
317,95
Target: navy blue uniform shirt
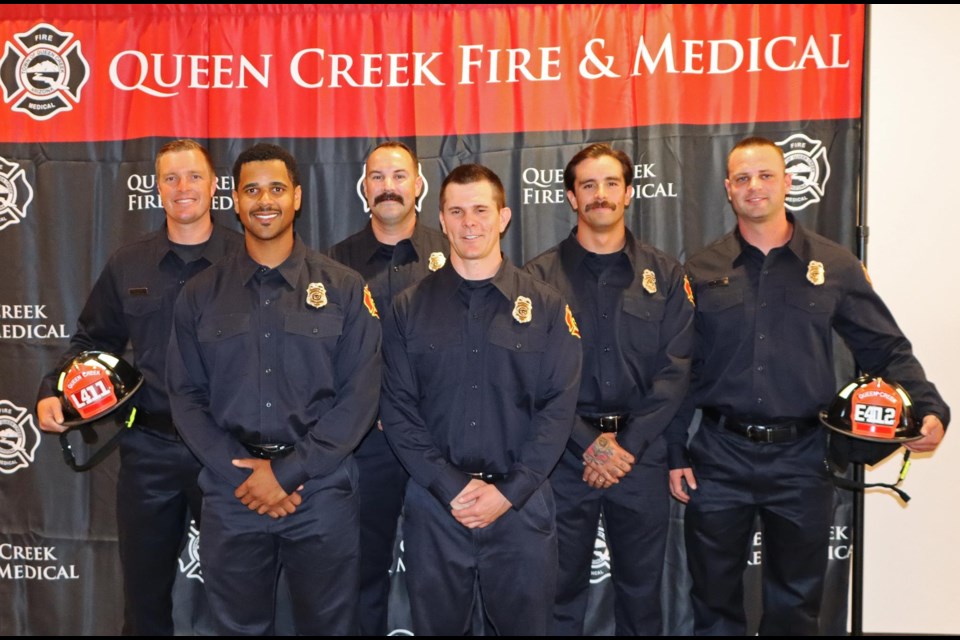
132,301
764,326
470,388
288,355
387,272
637,328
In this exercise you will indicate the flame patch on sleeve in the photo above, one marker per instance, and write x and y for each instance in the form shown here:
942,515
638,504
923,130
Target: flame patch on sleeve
688,289
369,303
572,324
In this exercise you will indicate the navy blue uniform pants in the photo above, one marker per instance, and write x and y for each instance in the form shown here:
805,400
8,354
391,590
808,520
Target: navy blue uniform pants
512,564
636,512
383,481
157,494
788,487
317,547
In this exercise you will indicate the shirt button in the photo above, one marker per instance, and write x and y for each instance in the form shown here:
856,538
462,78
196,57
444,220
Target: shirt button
603,283
266,302
269,404
760,367
396,268
761,336
607,383
316,331
266,335
606,349
813,304
604,316
475,350
766,272
759,400
475,316
183,282
519,345
763,305
474,386
219,332
268,371
433,347
473,423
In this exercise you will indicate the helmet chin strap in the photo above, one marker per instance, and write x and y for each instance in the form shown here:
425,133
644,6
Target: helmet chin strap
89,436
850,485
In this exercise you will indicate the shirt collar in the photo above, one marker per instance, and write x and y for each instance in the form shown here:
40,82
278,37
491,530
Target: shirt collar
798,244
572,253
505,280
214,248
407,250
289,269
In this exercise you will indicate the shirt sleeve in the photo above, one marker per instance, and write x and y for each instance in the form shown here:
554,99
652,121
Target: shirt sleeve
677,431
865,323
672,380
552,421
403,425
188,383
340,429
101,326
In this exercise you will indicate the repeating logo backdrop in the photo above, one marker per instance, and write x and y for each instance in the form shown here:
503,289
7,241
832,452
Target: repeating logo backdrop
90,92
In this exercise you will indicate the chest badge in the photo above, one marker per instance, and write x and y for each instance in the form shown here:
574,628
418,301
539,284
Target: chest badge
436,261
572,324
316,295
815,273
649,281
523,310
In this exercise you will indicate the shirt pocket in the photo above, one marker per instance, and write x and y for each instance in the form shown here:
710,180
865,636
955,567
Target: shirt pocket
310,344
640,329
515,353
721,314
808,311
437,358
147,322
225,343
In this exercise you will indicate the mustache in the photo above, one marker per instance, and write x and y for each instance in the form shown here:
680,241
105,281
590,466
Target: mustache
264,210
599,204
386,196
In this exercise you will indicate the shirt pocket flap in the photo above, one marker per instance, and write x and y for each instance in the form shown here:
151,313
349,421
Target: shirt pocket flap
809,299
433,341
649,308
325,324
141,306
522,338
223,327
711,299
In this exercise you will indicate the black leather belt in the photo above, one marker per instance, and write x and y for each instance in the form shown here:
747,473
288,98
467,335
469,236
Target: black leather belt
159,422
487,477
786,430
268,451
608,424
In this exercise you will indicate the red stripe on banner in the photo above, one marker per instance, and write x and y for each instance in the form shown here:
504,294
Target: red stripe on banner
96,72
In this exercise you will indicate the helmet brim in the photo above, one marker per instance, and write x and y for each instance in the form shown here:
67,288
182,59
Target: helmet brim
850,434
